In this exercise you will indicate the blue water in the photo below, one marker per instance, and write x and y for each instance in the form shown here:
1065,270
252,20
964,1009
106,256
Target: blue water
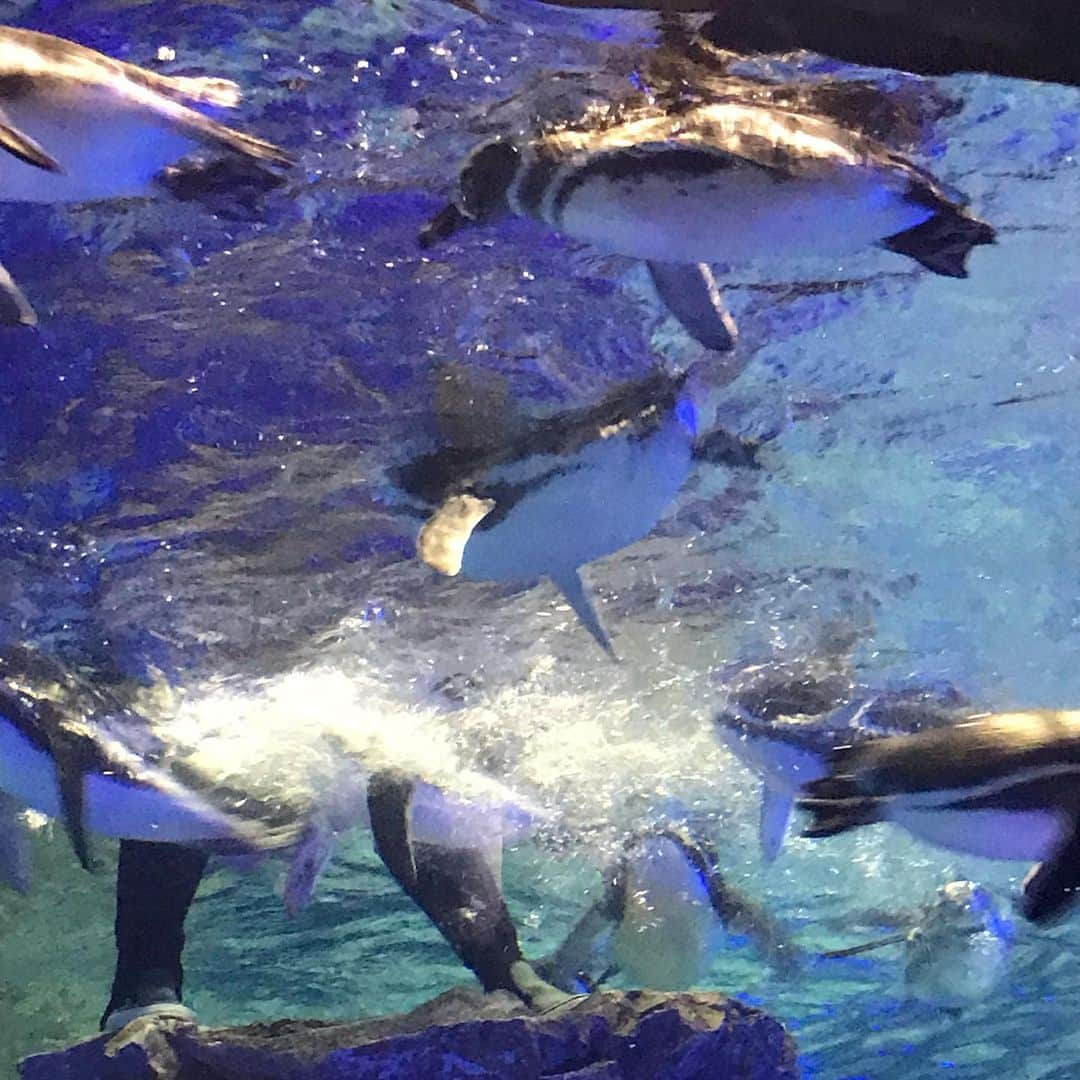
195,486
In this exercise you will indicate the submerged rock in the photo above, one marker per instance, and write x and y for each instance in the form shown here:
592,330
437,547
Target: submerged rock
611,1035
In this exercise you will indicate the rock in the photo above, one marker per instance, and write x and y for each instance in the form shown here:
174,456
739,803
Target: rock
611,1035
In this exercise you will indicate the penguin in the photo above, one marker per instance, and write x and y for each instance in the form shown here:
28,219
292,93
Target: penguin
784,724
665,902
734,180
1025,41
558,493
1001,786
59,757
957,950
78,126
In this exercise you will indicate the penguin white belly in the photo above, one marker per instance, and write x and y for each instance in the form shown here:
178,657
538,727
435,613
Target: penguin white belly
663,940
1030,835
783,764
742,214
27,773
112,807
135,812
106,150
953,970
610,495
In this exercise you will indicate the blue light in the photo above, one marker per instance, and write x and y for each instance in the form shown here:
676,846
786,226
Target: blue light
686,414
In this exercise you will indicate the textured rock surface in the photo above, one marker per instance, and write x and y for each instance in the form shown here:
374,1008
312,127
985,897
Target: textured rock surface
635,1035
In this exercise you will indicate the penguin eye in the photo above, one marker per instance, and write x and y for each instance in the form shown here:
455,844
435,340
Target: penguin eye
486,178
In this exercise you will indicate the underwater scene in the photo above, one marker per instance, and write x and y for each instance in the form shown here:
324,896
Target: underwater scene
539,540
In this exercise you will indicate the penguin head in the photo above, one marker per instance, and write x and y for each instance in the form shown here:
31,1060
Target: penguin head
485,179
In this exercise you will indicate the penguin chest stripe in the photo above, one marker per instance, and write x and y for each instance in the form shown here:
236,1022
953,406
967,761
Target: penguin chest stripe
997,787
526,195
624,169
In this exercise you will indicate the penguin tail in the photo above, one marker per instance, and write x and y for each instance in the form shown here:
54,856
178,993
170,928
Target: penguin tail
836,805
943,242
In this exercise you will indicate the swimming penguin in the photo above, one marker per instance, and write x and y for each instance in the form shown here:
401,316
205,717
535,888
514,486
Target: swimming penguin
58,757
665,903
1027,41
784,725
560,492
1000,786
437,847
957,951
730,181
78,126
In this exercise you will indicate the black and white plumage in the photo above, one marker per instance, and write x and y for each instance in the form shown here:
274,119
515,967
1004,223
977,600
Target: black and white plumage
62,754
959,950
78,126
732,181
784,726
558,494
664,904
1004,786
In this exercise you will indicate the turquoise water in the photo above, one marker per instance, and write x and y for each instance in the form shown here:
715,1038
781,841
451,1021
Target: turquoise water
197,452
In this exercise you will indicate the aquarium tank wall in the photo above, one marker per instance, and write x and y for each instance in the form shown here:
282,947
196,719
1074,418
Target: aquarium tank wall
539,539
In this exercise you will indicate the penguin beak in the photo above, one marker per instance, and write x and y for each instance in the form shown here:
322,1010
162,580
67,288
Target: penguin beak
442,226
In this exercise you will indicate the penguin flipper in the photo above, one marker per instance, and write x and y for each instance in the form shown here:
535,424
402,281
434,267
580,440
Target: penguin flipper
15,309
315,849
1053,886
772,824
569,583
15,858
20,145
73,804
690,293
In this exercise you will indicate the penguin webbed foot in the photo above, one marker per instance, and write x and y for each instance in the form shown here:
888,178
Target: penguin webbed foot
942,243
81,845
722,447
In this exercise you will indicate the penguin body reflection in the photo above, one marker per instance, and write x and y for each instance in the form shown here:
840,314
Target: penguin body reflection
558,493
957,950
62,755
